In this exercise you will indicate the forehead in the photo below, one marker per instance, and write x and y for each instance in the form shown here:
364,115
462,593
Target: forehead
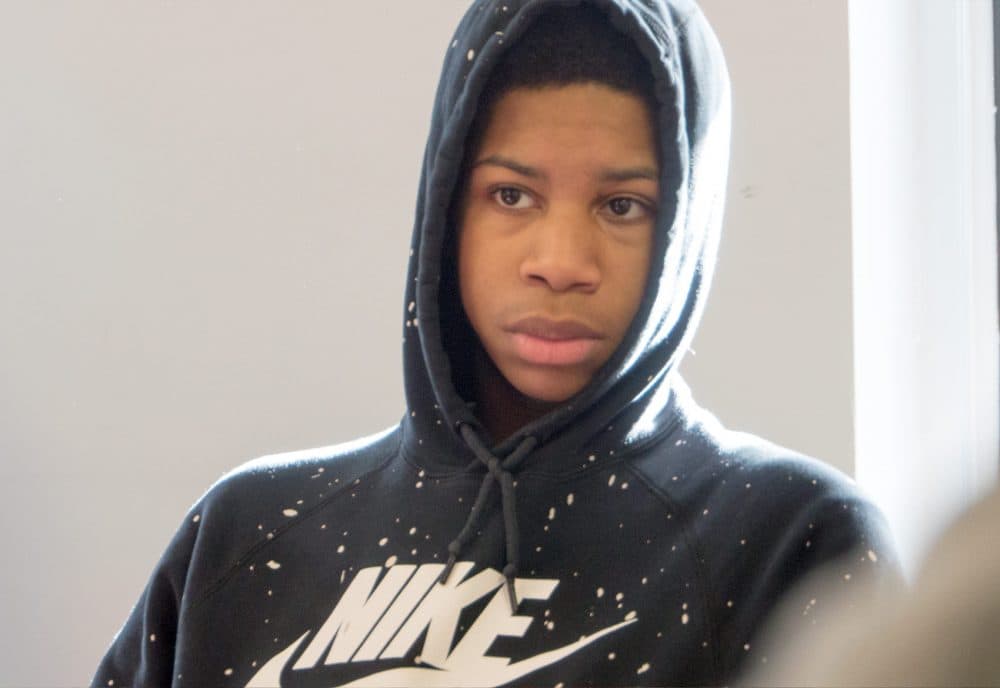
582,121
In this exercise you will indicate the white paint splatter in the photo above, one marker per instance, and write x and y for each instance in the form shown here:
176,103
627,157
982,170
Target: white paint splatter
611,480
420,483
290,512
644,580
552,513
228,671
592,458
630,616
685,618
340,549
619,597
643,669
413,531
152,637
600,592
569,499
471,54
550,625
729,603
391,561
847,576
611,656
413,304
195,518
746,647
273,565
872,555
383,542
625,485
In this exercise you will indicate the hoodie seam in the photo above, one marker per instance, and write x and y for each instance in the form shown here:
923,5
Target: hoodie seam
254,549
625,456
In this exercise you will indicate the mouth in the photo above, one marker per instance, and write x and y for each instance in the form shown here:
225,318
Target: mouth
542,341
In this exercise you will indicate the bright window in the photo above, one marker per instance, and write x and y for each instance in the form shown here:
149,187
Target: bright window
925,259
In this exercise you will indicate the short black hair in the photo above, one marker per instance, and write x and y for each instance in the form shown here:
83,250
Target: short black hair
571,45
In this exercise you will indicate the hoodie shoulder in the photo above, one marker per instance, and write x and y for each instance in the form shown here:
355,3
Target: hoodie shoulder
762,521
261,499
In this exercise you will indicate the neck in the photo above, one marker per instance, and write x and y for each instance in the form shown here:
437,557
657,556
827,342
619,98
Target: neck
500,407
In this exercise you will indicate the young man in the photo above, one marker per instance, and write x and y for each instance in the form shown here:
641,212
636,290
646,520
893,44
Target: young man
553,509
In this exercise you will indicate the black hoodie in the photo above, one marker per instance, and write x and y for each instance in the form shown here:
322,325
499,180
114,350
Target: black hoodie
624,538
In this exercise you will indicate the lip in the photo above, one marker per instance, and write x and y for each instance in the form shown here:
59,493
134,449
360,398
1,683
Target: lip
553,330
543,341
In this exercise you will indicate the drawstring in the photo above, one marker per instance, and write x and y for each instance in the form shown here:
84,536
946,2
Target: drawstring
496,471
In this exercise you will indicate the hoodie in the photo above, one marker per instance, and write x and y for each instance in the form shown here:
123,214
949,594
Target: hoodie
624,538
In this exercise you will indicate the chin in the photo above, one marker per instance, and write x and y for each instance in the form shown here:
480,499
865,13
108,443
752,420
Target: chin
548,389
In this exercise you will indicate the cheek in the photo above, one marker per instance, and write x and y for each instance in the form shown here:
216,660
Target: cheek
632,270
473,274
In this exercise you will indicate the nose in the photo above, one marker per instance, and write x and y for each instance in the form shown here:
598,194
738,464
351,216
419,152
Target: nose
563,253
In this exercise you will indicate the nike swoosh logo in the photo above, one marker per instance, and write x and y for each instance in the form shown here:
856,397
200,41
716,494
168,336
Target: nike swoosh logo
487,672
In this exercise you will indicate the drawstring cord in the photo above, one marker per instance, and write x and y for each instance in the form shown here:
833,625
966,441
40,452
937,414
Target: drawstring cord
497,471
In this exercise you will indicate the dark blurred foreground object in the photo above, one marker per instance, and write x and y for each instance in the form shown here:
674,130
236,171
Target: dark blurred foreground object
945,631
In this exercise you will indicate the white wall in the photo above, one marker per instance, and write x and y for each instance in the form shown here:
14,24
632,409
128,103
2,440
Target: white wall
204,221
773,355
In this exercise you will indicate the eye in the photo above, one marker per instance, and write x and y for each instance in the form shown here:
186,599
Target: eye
626,208
512,197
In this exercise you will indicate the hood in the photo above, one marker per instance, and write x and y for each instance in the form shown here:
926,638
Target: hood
629,401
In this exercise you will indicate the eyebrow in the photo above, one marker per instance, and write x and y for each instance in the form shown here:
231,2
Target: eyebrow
612,175
629,173
501,161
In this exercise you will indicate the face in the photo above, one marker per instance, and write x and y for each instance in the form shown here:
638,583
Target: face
556,231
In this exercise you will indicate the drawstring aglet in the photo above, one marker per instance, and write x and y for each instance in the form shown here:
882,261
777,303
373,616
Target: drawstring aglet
453,549
443,578
511,595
